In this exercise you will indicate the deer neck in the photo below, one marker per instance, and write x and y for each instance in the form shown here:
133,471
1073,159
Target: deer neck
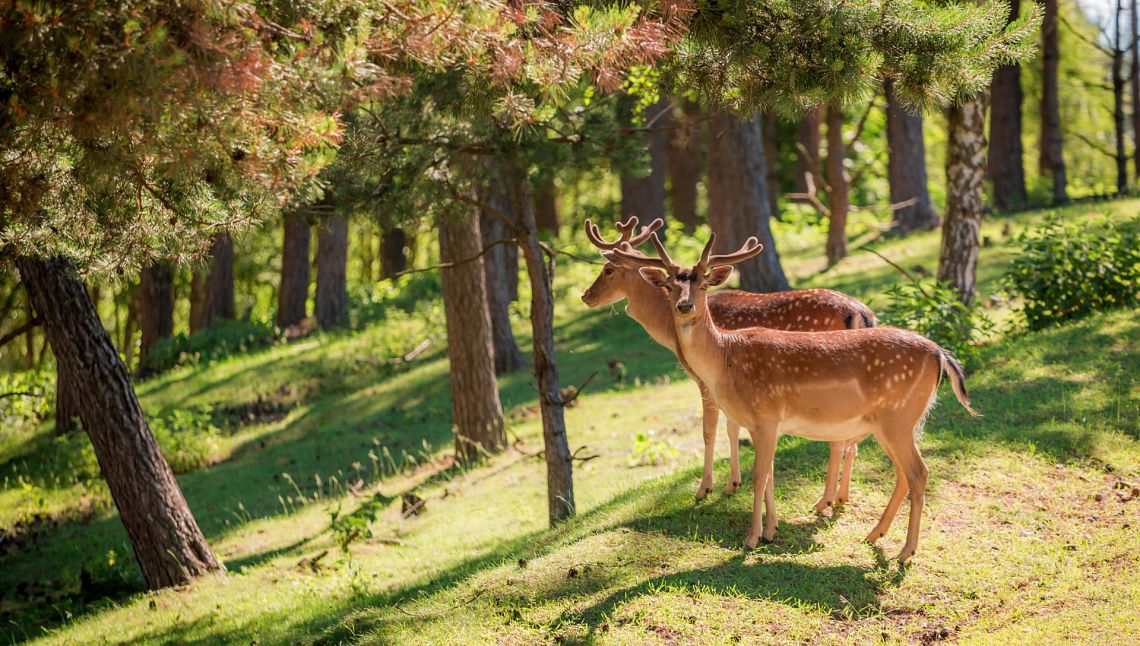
649,306
701,347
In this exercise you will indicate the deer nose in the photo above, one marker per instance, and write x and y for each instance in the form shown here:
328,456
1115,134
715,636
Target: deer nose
684,308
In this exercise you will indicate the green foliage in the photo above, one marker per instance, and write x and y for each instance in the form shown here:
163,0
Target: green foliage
187,437
1067,269
934,311
25,397
649,450
218,341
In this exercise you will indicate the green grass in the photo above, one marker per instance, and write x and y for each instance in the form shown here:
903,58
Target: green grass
1015,544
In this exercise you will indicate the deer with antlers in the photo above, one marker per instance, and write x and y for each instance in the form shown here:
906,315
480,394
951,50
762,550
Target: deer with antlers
805,310
827,386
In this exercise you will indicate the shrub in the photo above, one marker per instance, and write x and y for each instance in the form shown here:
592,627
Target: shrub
1067,269
934,311
218,341
18,409
187,437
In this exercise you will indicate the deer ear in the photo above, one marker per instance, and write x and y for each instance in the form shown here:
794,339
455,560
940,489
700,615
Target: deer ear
718,275
654,277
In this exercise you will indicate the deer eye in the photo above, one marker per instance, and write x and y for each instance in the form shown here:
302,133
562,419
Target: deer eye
608,271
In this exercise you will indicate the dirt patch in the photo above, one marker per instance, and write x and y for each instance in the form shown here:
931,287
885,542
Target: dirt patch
265,409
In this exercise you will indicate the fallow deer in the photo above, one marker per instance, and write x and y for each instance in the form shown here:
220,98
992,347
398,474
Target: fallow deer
826,386
804,310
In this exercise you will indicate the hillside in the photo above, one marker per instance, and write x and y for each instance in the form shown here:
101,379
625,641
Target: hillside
1029,532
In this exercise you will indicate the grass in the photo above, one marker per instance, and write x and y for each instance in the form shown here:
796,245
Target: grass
1024,538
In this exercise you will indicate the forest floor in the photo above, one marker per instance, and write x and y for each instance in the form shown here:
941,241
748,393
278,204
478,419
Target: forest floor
1029,534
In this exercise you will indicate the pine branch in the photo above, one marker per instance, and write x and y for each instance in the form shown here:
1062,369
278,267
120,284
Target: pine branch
456,263
1094,145
7,338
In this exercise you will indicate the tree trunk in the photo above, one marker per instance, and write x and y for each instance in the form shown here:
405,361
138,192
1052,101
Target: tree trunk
331,307
808,140
477,414
559,463
366,254
906,167
29,359
1135,86
738,198
770,158
838,200
293,292
546,207
212,290
965,176
67,404
167,542
1118,53
501,269
1006,156
128,347
683,159
393,259
1051,159
156,309
644,197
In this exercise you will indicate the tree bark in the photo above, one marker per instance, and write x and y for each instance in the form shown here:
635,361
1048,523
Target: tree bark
331,306
393,258
167,542
156,309
501,270
546,207
906,167
1118,52
1051,159
67,404
477,414
738,198
559,463
838,199
965,176
770,159
1135,87
1006,155
212,290
644,197
808,140
683,158
293,292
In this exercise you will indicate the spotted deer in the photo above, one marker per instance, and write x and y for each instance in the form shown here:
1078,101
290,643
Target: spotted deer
805,310
834,386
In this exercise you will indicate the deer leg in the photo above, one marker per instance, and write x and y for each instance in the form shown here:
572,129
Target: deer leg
710,415
849,454
916,477
835,456
733,457
770,505
888,516
764,440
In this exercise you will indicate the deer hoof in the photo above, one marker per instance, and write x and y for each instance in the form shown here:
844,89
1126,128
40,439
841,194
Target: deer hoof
703,492
874,536
730,488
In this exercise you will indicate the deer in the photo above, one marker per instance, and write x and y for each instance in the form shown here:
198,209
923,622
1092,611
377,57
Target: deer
806,310
836,386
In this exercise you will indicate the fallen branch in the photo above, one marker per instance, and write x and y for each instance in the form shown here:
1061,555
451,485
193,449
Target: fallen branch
416,351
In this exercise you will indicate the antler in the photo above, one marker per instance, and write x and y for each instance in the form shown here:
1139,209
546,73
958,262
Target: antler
751,248
627,229
627,253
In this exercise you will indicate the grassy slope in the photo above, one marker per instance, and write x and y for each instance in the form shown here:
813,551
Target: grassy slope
1013,540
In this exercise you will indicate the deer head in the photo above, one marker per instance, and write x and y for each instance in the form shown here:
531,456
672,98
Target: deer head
614,281
686,286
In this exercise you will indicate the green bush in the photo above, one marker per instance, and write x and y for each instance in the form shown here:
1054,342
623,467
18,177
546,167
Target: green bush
218,341
934,311
26,397
1067,269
